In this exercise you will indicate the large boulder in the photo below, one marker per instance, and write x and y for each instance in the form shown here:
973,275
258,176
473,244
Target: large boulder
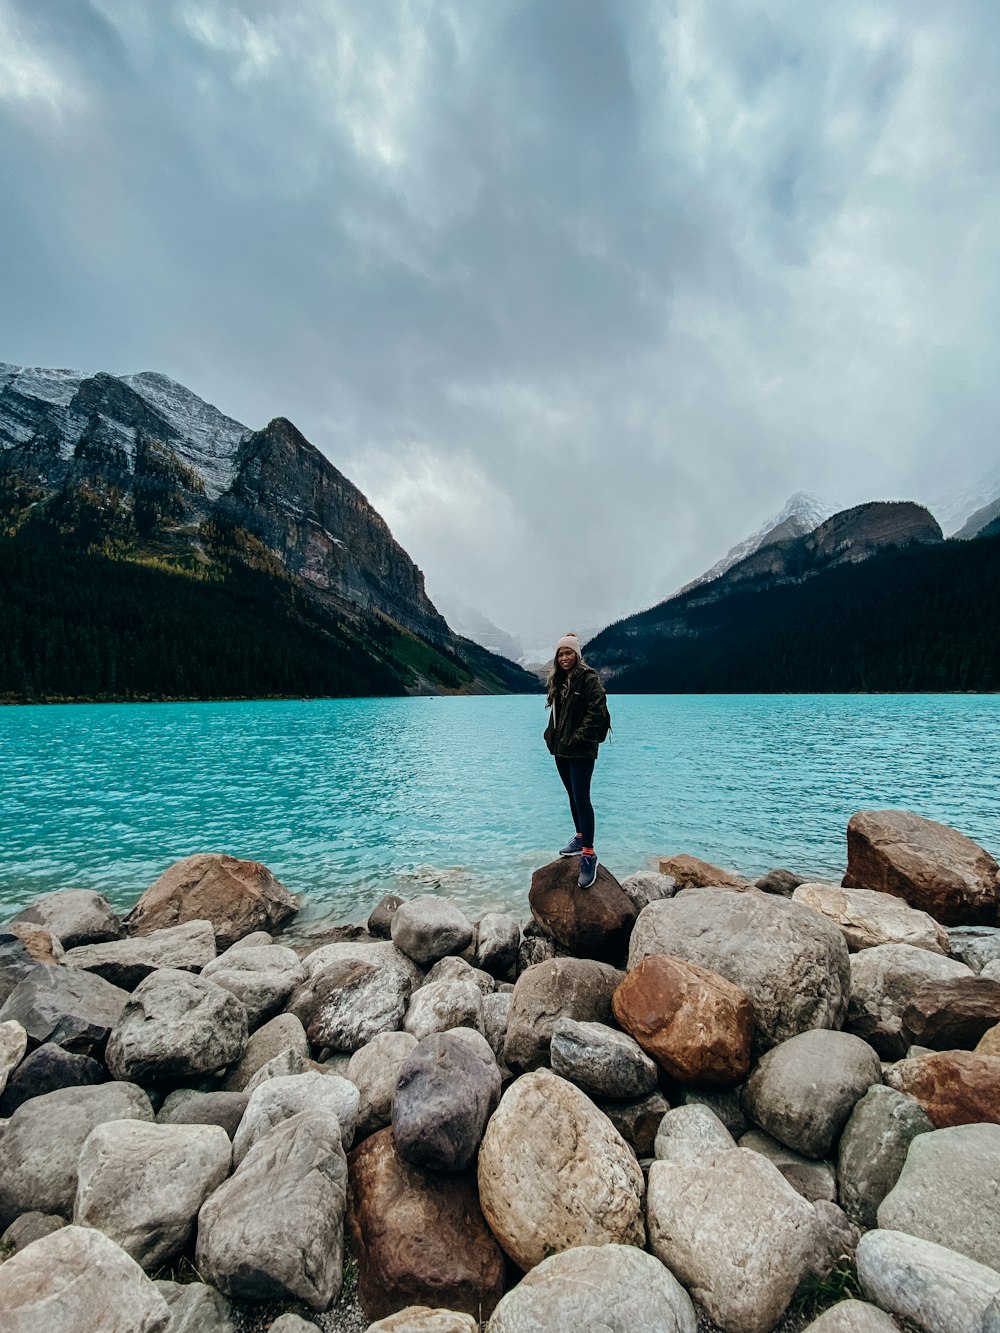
554,1173
142,1184
429,928
236,896
280,1098
446,1092
275,1229
791,962
694,1023
601,1060
125,963
884,981
176,1026
929,865
804,1090
937,1289
282,1033
873,1148
591,923
498,938
734,1232
868,917
75,1010
689,872
47,1069
380,953
949,1190
613,1288
73,916
579,988
77,1281
41,1145
953,1087
374,1070
348,1002
439,1006
954,1013
261,977
420,1237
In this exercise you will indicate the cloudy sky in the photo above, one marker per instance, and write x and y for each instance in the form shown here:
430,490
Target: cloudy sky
577,291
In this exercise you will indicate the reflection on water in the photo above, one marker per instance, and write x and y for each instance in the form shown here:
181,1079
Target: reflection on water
348,799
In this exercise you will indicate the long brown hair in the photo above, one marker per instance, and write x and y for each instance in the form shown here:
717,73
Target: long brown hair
558,677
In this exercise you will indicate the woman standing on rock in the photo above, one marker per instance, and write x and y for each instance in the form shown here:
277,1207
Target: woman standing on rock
578,721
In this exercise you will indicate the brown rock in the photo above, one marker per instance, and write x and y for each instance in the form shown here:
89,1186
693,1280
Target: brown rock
41,945
695,1024
579,988
420,1238
238,897
952,1014
953,1087
690,873
591,923
933,867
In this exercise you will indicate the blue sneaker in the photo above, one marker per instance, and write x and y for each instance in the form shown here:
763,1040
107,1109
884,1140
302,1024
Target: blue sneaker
588,869
574,847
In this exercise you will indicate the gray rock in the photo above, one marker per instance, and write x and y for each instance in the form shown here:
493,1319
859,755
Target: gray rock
349,1002
424,1319
283,1033
379,953
255,940
601,1060
443,1005
835,1238
992,970
429,928
937,1289
77,1281
275,1229
949,1190
13,1044
42,1142
690,1134
28,1228
991,1319
815,1181
613,1288
804,1090
279,1066
790,961
58,1004
637,1120
498,939
281,1098
380,921
869,918
455,968
46,1070
873,1148
176,1026
577,988
726,1103
778,881
496,1011
16,962
73,916
445,1095
374,1070
188,947
224,1109
142,1184
975,946
195,1307
292,1323
535,948
884,980
853,1317
262,978
648,886
734,1232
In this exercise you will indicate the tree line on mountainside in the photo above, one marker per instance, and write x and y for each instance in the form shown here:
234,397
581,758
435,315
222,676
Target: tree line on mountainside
923,618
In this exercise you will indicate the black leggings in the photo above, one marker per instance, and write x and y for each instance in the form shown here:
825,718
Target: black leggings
576,775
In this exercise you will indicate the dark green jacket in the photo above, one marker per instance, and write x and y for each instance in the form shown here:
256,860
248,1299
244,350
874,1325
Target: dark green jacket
577,722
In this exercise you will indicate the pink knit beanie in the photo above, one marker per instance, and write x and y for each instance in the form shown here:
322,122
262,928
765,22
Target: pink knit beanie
570,641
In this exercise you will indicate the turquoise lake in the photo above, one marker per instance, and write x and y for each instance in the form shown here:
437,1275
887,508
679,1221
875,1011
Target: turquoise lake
348,799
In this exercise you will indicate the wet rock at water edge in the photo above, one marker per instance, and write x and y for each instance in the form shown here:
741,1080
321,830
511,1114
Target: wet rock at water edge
591,923
75,1010
779,881
275,1228
125,963
446,1092
791,962
554,1173
420,1237
428,928
236,896
929,865
578,988
262,978
176,1026
803,1091
380,920
73,916
498,938
78,1281
689,872
601,1060
873,1148
143,1184
694,1023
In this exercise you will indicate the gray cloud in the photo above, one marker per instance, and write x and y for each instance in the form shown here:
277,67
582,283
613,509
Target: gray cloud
577,292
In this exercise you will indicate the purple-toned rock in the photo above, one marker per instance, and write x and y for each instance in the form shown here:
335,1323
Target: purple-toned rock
446,1092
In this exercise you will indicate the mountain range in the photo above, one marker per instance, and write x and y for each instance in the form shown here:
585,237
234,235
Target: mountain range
138,469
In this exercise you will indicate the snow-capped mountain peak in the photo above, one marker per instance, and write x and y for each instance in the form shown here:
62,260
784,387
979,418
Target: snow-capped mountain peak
801,514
